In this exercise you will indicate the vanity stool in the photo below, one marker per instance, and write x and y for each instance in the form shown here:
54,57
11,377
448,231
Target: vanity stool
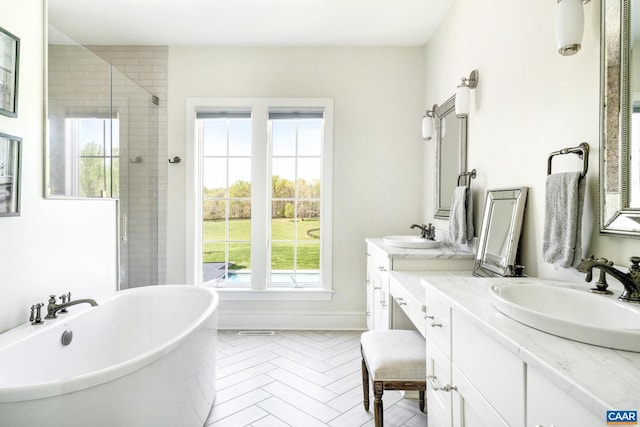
395,360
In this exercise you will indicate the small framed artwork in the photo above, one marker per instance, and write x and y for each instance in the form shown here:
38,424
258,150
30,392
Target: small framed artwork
10,147
9,60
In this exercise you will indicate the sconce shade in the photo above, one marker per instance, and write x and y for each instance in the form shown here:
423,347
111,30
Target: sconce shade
427,127
462,100
569,26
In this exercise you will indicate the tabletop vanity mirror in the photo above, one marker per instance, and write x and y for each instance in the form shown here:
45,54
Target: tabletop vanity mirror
451,154
500,234
620,118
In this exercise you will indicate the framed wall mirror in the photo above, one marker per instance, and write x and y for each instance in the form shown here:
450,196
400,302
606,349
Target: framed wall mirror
451,154
500,235
620,118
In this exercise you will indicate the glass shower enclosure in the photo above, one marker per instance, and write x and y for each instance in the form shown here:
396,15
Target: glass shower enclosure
103,144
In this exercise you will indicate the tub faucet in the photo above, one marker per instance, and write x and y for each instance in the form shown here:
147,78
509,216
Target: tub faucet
428,231
53,308
630,280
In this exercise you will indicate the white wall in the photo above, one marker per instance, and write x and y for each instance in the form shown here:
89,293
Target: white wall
53,246
378,94
530,101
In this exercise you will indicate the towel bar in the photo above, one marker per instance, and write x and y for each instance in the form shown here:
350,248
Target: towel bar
581,150
469,175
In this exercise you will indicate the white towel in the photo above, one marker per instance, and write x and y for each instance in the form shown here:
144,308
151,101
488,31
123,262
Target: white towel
564,200
461,215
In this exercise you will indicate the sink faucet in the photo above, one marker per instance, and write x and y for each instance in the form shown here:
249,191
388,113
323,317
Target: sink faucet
630,280
428,231
53,308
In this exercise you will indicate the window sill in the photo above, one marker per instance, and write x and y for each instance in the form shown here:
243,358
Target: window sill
305,294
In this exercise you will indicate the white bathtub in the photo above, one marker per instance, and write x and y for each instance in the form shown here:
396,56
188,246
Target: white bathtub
143,357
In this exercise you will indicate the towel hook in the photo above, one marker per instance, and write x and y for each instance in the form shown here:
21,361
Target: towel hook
581,150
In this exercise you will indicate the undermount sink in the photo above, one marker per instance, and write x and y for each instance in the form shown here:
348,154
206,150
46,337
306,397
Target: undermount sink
563,309
413,242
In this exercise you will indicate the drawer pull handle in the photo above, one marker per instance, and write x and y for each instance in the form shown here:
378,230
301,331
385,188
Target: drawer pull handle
448,387
445,388
426,316
377,288
401,301
436,325
381,268
432,381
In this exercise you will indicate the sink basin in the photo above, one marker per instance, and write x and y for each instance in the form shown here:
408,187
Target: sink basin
415,242
568,311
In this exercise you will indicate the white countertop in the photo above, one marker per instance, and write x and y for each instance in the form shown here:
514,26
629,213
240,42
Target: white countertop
600,379
444,251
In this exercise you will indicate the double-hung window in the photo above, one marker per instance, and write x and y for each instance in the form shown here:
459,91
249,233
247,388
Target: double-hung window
262,207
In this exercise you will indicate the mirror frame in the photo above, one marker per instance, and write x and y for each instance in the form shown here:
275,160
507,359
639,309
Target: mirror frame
485,267
615,103
442,112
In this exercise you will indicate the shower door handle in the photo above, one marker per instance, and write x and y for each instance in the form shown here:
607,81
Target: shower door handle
123,228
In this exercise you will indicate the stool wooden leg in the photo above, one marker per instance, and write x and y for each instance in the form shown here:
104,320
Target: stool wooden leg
421,400
378,389
365,385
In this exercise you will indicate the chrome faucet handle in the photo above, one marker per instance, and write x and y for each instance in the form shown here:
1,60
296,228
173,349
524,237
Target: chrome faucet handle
65,298
635,260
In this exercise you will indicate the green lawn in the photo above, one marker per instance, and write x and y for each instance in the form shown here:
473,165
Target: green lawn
308,256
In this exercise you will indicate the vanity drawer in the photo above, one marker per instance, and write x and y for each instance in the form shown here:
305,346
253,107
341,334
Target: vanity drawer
408,303
438,321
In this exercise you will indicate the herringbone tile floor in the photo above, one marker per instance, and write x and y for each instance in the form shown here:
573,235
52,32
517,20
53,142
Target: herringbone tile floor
298,379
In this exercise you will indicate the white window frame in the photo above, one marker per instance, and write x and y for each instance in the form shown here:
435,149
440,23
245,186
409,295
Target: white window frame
259,108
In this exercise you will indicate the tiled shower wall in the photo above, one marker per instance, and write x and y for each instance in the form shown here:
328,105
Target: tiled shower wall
143,154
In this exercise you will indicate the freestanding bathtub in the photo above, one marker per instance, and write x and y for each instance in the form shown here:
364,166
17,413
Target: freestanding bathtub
143,357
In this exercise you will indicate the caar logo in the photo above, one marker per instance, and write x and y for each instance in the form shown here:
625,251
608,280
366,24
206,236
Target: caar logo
622,418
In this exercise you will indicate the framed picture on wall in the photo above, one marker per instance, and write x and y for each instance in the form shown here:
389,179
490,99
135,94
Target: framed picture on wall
10,147
9,60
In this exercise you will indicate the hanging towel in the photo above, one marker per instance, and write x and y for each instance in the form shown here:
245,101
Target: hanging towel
461,215
564,200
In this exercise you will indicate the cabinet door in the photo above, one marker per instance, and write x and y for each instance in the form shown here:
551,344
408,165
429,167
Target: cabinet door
438,376
370,292
548,406
497,373
469,407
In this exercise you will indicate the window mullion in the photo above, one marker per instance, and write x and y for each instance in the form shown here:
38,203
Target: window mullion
260,196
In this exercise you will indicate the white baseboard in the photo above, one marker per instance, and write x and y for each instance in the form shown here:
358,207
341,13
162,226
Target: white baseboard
329,321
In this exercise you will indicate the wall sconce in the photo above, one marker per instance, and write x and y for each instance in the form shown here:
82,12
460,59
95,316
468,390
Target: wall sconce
427,123
463,93
569,26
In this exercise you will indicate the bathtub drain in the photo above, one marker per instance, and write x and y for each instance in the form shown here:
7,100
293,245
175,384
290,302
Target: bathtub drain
66,337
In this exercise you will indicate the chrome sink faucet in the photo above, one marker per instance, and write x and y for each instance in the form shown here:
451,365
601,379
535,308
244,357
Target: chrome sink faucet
53,308
428,231
630,280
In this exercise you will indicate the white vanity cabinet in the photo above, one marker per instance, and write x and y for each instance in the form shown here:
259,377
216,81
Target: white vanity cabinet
471,380
383,294
486,370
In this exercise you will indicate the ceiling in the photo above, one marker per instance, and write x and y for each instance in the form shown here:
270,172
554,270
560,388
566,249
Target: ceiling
249,22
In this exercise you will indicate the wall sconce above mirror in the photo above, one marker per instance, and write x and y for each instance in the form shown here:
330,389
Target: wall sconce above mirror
569,26
463,93
428,123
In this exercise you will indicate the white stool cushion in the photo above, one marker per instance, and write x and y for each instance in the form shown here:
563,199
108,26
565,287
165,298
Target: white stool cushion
395,355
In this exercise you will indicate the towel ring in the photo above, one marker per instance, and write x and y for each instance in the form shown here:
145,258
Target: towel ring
469,175
581,150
